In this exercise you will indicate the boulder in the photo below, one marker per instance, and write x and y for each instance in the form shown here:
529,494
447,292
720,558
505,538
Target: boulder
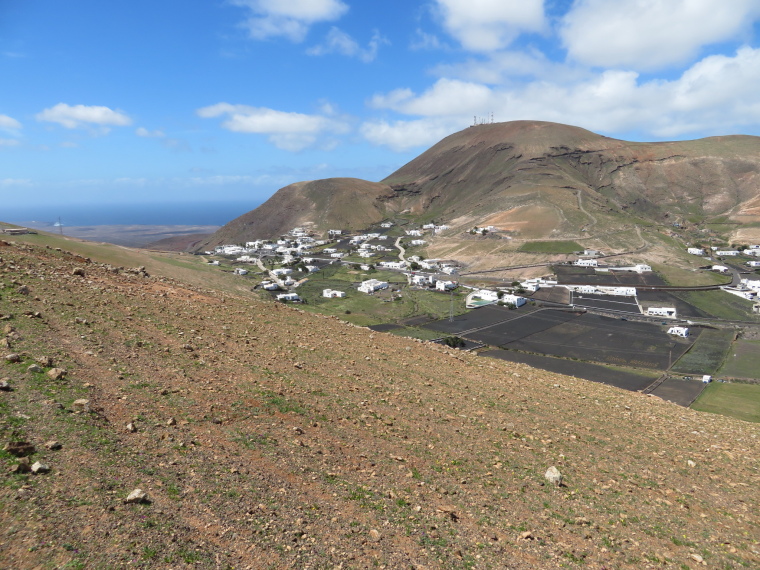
81,405
553,476
136,497
40,468
19,448
56,373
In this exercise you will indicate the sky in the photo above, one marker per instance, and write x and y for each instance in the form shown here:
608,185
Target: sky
128,102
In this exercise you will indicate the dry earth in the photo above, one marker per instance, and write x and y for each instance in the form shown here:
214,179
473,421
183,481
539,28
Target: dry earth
266,437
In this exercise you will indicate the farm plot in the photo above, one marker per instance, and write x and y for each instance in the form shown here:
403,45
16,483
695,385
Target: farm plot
743,360
608,340
627,380
523,326
666,299
477,318
571,274
707,354
740,401
605,302
679,391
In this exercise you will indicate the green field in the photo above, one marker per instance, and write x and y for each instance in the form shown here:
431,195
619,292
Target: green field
741,401
550,247
707,354
720,304
743,360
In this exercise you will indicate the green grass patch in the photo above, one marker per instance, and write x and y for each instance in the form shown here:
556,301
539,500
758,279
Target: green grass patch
678,276
720,304
741,401
743,360
550,247
707,354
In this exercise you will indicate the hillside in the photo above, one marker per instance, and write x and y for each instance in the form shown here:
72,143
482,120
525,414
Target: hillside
537,180
266,437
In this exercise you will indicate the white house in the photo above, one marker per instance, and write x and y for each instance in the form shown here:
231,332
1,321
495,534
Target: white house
312,268
668,312
679,331
329,250
753,284
338,254
363,253
754,252
748,294
638,268
720,268
386,225
372,285
393,264
240,271
706,378
726,252
289,297
333,294
333,233
422,280
418,242
753,263
282,271
695,251
270,286
445,285
415,233
586,263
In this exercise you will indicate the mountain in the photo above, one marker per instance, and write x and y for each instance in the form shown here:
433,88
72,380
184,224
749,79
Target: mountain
269,437
511,173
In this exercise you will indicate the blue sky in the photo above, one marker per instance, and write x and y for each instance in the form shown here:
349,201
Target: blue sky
170,100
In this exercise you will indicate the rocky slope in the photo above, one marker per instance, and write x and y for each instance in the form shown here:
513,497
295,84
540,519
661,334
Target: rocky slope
536,180
266,437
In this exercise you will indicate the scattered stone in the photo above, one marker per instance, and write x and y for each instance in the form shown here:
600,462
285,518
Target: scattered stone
553,476
131,427
23,290
697,558
34,368
80,321
171,422
56,373
19,448
81,405
374,535
691,463
136,497
4,386
78,271
53,445
45,361
527,535
13,357
40,468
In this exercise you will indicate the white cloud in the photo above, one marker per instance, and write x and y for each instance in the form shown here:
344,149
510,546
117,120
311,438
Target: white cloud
69,144
338,41
143,132
715,95
487,25
651,34
425,41
9,124
10,182
77,116
287,131
9,142
290,19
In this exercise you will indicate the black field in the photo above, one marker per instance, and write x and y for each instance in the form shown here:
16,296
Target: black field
552,295
605,339
678,391
585,370
522,327
384,327
571,274
667,299
605,302
478,318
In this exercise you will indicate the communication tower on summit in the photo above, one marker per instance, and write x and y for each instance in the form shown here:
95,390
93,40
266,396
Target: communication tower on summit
482,120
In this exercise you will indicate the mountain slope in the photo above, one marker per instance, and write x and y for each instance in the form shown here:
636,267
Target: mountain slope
269,437
536,180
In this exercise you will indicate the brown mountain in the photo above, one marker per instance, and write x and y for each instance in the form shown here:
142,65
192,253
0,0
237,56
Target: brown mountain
268,437
533,178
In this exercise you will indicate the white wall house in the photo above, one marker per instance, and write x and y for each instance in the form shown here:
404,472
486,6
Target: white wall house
748,294
586,263
393,264
282,271
418,242
679,331
753,263
333,294
726,252
668,312
695,251
753,284
240,271
416,233
372,285
289,297
421,280
720,268
445,285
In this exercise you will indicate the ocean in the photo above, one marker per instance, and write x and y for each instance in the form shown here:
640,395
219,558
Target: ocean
150,214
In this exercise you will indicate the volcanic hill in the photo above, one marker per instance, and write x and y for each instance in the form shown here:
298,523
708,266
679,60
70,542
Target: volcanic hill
533,180
267,437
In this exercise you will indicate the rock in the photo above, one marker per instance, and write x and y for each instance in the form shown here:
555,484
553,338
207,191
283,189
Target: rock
53,445
690,463
4,386
78,271
34,368
81,405
553,476
40,468
131,427
80,321
697,558
22,466
19,448
56,373
171,422
136,497
374,535
45,361
22,289
527,535
13,357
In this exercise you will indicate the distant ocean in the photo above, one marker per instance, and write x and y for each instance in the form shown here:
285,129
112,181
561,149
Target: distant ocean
152,214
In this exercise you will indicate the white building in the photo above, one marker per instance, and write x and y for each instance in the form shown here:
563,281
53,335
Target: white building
393,264
415,233
753,284
270,286
418,242
372,285
679,331
445,285
289,297
754,263
720,268
338,254
333,294
386,225
695,251
668,312
421,280
282,271
240,271
586,263
748,294
726,252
